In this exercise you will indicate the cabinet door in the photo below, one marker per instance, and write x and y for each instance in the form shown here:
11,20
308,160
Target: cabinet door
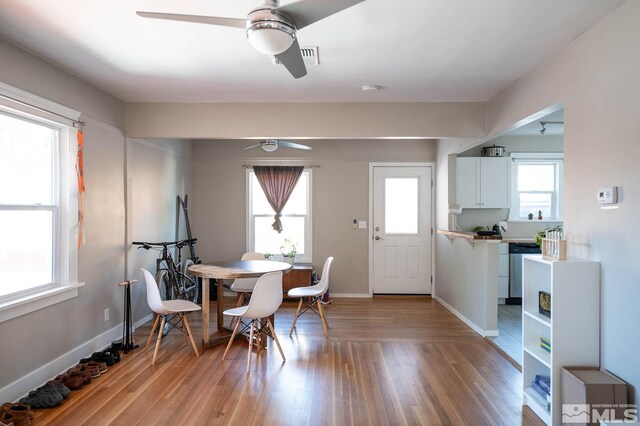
494,182
503,265
503,287
468,182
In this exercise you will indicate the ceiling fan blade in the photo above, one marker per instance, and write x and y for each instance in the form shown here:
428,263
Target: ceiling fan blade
252,146
292,60
307,12
293,145
211,20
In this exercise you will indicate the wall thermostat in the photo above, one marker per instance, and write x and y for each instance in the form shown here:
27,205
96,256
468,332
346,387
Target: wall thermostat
608,195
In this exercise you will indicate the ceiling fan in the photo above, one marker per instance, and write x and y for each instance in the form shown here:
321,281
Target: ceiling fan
271,28
271,145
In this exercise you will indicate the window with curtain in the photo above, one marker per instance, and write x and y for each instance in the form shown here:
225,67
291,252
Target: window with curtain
536,186
295,219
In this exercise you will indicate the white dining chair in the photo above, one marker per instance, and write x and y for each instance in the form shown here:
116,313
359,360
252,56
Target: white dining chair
314,293
167,310
264,302
244,286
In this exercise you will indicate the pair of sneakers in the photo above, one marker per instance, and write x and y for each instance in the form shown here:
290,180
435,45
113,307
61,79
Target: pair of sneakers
49,395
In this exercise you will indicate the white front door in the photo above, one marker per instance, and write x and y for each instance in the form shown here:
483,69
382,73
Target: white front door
402,230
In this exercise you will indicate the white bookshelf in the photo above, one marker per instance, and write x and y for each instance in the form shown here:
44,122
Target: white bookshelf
573,329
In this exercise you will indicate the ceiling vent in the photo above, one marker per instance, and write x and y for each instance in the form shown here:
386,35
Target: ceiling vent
309,55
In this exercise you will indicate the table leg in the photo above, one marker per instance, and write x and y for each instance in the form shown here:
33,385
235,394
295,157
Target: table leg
220,304
205,312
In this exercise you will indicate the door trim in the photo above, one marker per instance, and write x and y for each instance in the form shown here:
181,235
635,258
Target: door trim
433,212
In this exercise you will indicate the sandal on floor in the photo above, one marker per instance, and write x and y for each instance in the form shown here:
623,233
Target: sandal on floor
19,414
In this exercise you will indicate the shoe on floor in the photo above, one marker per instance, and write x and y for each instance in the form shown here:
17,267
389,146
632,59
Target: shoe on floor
19,414
44,397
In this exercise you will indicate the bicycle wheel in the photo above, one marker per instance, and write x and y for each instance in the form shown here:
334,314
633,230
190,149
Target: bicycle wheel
164,285
190,283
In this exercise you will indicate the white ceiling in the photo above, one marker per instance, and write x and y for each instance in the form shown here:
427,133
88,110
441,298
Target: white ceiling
417,50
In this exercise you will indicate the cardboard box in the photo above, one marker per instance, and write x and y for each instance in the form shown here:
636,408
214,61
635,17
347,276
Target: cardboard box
600,389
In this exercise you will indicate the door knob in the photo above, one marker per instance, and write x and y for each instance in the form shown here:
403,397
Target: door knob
379,238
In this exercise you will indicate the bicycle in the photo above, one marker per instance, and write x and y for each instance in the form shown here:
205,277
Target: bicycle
174,280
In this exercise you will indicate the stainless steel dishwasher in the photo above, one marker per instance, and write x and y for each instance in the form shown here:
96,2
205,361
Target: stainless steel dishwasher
516,251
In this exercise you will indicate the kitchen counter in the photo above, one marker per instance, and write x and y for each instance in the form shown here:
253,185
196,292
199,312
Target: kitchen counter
468,235
518,240
475,237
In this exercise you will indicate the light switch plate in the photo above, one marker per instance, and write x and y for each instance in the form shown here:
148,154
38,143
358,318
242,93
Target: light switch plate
362,224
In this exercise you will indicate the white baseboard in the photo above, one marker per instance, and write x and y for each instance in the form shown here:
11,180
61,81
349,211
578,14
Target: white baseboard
350,295
19,388
471,324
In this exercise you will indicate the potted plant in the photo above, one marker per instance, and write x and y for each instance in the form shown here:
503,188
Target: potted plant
288,251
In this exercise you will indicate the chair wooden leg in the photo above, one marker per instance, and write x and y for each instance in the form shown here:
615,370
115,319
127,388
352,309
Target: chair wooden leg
155,353
155,324
295,318
193,342
275,338
233,336
250,343
239,302
323,318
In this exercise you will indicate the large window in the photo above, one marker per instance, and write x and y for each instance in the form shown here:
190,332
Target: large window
536,186
37,218
296,219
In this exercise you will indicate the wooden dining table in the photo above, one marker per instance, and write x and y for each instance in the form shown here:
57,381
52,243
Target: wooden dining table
225,270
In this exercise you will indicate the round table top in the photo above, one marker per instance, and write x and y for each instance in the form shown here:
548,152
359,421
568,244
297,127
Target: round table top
237,269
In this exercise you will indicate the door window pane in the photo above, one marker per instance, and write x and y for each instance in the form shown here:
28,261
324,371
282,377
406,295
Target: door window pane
26,256
401,205
26,162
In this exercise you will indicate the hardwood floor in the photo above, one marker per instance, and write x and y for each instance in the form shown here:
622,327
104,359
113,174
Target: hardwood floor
388,361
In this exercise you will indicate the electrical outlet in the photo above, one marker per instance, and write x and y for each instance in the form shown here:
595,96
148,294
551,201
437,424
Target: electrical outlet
106,315
503,225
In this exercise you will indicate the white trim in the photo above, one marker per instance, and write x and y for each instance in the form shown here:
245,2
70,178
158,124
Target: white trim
537,155
33,302
350,295
308,255
432,165
467,321
160,147
22,386
36,101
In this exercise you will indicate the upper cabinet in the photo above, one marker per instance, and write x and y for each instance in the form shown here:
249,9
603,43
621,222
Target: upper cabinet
482,182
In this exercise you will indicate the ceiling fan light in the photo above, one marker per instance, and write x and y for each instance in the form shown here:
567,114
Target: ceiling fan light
270,38
269,145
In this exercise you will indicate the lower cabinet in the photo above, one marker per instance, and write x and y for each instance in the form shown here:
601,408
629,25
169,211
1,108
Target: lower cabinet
503,272
297,276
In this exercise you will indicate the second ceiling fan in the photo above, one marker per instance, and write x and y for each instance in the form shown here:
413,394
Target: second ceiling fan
271,28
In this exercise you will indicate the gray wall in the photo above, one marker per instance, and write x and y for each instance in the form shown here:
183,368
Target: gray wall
42,337
340,194
596,78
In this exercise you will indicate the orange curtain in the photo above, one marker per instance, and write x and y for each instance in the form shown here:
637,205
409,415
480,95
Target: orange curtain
81,188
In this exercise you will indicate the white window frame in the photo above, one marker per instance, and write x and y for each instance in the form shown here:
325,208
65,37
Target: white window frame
555,159
22,105
308,255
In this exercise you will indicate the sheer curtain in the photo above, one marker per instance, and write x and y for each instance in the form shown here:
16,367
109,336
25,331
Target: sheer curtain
278,183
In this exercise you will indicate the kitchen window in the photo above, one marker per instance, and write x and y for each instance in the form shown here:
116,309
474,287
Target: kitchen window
537,181
296,219
38,209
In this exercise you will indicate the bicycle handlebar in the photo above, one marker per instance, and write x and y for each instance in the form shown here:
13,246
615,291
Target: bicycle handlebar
180,243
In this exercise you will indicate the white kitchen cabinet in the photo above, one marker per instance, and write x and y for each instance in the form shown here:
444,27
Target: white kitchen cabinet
482,182
573,328
503,272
